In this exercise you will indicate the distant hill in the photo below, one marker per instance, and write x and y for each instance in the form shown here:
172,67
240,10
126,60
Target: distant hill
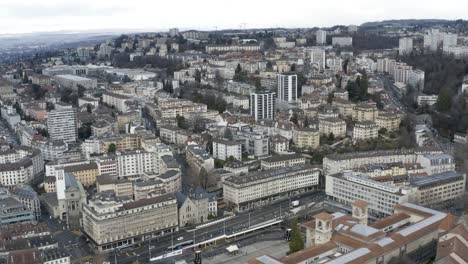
412,22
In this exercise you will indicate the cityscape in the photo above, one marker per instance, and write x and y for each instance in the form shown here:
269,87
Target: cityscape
334,144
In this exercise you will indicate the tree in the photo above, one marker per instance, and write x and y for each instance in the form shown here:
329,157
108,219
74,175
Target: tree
294,119
197,76
296,243
203,177
112,148
167,86
444,101
181,122
331,137
269,66
89,108
228,134
258,84
383,131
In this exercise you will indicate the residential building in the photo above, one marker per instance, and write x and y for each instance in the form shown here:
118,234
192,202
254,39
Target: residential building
364,112
279,144
62,124
321,37
118,101
342,41
263,105
388,120
282,161
26,195
365,130
198,158
122,188
74,81
84,173
254,143
223,149
287,87
19,165
331,125
405,46
416,79
307,138
317,57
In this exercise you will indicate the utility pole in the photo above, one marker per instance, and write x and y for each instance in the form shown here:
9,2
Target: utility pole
224,226
249,220
172,241
115,256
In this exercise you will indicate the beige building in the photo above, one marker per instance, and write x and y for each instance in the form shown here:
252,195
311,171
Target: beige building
85,173
119,101
439,189
121,187
364,112
307,138
388,120
282,161
257,188
345,107
335,126
110,222
365,130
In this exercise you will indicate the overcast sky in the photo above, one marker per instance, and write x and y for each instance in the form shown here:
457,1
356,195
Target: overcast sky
24,16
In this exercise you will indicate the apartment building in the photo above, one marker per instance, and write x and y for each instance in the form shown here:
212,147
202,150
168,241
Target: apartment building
365,130
254,143
74,81
111,222
62,124
263,105
321,37
348,161
262,187
335,126
287,87
388,120
405,46
198,158
19,165
132,163
84,173
364,112
279,144
307,138
282,161
223,149
342,41
345,107
231,48
119,101
122,188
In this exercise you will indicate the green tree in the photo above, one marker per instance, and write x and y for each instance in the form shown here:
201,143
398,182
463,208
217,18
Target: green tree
203,177
181,122
296,243
89,108
444,101
197,76
331,137
112,148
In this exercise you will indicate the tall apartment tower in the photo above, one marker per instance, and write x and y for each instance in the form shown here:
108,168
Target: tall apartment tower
61,124
405,46
262,105
321,37
287,87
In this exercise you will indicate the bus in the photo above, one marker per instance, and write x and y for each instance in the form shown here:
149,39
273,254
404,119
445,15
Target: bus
180,245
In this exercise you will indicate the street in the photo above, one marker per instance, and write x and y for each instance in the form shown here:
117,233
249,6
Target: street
232,225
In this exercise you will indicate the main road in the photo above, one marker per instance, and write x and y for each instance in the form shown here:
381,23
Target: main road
242,221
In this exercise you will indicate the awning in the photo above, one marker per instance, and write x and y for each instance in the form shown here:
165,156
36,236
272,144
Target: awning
232,248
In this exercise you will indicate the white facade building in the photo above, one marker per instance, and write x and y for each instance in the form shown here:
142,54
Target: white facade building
62,124
262,105
287,87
